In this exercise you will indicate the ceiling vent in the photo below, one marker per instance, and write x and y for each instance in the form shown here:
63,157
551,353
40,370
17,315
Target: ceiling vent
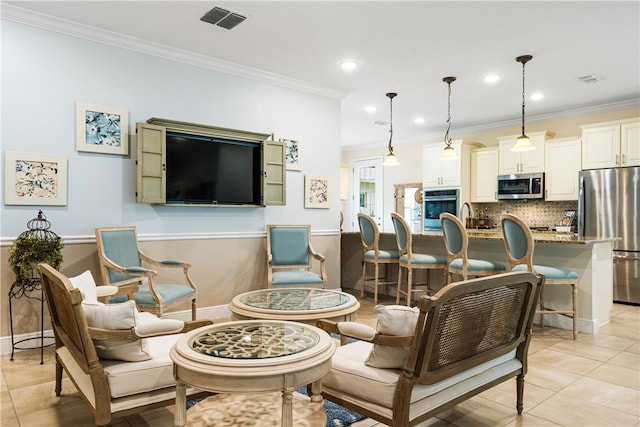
223,18
590,78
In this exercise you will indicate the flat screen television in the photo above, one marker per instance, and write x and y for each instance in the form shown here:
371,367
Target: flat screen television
212,171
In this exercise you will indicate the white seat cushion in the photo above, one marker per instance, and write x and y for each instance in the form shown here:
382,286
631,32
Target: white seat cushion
350,375
127,378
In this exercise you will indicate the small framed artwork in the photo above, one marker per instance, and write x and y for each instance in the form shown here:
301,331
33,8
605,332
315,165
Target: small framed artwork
316,192
102,129
35,179
292,147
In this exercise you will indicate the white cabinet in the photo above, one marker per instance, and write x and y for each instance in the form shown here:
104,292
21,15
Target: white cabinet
484,172
437,173
611,144
441,174
562,160
512,162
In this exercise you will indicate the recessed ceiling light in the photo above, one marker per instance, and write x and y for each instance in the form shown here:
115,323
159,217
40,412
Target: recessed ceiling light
348,64
536,96
418,120
370,108
492,78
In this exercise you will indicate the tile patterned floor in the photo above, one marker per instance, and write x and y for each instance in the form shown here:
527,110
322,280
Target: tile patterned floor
593,381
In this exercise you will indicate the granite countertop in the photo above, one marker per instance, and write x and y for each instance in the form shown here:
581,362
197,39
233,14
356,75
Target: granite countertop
496,234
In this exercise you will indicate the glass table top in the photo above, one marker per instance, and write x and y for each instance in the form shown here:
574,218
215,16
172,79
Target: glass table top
254,340
295,299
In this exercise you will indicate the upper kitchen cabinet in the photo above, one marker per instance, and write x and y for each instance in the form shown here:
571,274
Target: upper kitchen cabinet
437,173
484,171
513,162
562,161
611,144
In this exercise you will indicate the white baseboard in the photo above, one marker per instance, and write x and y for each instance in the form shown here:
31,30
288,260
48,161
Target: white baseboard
562,322
218,314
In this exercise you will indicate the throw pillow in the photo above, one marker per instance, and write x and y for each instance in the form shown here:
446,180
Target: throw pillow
87,286
116,316
123,315
110,316
392,320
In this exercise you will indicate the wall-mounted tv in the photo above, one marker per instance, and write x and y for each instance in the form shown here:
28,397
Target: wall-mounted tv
212,171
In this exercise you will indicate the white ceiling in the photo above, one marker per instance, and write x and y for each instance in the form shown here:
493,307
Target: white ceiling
402,46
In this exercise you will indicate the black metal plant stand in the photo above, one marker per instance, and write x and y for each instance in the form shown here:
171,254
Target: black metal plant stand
28,288
37,244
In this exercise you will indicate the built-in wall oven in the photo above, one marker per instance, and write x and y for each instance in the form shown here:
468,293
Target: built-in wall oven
436,202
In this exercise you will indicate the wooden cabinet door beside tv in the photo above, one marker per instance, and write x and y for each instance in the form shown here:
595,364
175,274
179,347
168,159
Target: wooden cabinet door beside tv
151,162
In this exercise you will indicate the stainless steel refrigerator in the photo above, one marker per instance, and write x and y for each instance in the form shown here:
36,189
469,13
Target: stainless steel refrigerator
609,206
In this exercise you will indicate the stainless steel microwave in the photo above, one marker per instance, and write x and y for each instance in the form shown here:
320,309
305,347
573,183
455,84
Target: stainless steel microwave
521,186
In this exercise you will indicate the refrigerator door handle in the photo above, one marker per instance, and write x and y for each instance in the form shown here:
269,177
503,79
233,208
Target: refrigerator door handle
581,206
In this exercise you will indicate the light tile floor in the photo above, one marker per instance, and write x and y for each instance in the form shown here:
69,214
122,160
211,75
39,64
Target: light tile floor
593,381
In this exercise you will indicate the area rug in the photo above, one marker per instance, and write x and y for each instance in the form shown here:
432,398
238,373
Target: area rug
337,416
265,410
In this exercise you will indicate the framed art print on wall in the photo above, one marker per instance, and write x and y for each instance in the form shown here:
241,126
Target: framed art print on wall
316,192
292,156
102,129
35,179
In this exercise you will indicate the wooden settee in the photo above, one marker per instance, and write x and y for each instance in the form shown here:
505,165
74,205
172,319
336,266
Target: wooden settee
468,337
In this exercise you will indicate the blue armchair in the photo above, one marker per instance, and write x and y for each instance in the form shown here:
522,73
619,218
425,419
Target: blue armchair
121,264
289,257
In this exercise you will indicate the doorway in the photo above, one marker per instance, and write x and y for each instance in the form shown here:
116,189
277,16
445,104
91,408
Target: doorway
409,204
367,190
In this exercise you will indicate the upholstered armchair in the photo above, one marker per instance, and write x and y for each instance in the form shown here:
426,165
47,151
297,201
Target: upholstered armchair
117,358
289,256
121,264
418,362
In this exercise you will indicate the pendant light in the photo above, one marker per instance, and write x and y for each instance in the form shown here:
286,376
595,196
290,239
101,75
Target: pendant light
523,143
449,152
391,159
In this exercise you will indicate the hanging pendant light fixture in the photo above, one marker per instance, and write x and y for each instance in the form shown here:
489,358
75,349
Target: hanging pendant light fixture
449,152
391,159
523,143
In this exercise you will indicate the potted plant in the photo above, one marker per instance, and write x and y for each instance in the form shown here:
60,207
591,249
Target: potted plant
34,246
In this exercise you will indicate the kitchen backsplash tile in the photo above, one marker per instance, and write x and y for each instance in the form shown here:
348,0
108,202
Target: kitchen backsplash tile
535,213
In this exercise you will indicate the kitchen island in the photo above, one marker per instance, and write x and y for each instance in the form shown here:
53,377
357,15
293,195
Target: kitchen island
590,258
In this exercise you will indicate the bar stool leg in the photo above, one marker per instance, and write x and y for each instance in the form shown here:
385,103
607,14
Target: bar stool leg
399,285
409,279
363,279
542,307
574,292
376,282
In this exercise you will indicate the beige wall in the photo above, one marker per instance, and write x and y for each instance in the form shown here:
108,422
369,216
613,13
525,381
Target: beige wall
221,269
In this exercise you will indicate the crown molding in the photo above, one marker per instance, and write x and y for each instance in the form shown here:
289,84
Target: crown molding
79,30
575,112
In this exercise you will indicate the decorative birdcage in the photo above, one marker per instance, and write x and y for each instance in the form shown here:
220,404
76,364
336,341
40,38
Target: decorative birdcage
35,245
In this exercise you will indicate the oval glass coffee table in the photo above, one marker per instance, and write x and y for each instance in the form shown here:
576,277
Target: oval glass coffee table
305,305
251,357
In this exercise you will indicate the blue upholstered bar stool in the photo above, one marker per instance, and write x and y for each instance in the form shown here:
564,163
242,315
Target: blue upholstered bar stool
456,241
410,261
373,255
519,244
